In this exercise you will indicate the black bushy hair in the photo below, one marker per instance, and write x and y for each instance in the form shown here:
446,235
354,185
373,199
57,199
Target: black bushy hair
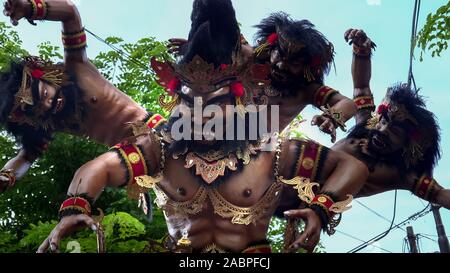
428,124
9,85
302,32
214,34
428,128
31,138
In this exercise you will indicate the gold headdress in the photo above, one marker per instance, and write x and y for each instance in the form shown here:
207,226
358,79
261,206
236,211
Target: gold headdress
203,77
35,68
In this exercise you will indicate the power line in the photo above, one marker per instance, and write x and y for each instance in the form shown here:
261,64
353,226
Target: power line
123,54
382,235
426,237
376,213
431,235
415,23
357,239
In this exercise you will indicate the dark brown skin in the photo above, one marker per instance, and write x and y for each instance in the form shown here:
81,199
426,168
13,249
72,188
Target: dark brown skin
343,175
291,107
383,178
108,110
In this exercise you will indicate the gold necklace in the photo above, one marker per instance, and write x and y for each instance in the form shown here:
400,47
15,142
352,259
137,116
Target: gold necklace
210,171
212,164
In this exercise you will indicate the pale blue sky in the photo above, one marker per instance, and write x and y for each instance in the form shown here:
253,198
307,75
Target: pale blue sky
387,22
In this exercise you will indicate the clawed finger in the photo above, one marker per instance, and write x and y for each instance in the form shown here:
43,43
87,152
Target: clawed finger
361,34
88,221
317,120
352,34
347,33
301,242
4,179
44,246
333,135
14,22
326,126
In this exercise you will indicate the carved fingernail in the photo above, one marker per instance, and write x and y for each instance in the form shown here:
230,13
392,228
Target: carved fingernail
94,227
53,247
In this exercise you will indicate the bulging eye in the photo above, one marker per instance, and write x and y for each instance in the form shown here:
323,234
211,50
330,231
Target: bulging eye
185,89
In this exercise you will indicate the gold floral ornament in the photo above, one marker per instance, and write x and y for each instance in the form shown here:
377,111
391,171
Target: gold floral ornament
148,182
210,171
243,75
35,69
304,186
166,78
213,248
170,103
246,215
342,206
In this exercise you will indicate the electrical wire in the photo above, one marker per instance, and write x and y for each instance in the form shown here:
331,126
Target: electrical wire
376,213
357,239
380,236
415,23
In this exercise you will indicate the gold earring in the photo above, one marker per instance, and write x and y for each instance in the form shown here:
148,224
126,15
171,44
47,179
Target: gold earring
171,104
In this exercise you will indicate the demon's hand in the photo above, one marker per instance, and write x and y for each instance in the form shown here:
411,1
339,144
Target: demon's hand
326,125
16,10
65,227
358,38
311,235
175,45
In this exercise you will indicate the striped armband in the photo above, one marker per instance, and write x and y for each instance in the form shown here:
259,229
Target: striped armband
329,211
365,103
74,41
39,9
310,158
424,187
323,95
154,121
75,205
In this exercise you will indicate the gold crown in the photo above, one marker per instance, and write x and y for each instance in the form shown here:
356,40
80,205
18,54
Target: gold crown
204,77
35,68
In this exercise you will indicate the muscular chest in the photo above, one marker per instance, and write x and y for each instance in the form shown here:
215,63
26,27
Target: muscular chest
242,188
108,114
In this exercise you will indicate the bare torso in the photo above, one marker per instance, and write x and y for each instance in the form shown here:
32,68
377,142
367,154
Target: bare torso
108,111
381,179
292,106
243,190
